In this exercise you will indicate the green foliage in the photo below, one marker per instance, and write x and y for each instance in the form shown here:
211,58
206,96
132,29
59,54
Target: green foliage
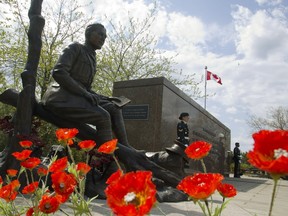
3,140
64,21
131,53
5,110
46,133
244,159
12,56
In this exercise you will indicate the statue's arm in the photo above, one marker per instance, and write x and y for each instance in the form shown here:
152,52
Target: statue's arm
103,97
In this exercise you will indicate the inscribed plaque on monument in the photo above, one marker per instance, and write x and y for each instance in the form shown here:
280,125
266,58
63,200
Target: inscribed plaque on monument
136,112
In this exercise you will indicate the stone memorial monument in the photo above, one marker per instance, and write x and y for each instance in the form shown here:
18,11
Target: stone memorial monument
152,115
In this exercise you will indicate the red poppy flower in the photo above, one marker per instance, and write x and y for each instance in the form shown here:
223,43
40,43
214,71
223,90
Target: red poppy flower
21,156
108,147
15,185
29,189
30,163
66,134
59,165
83,168
201,185
62,198
114,177
87,145
270,152
49,204
26,143
12,172
227,190
42,171
1,180
30,211
9,192
63,183
133,194
197,150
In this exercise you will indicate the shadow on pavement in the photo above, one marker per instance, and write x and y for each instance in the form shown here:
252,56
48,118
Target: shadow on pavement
167,209
245,184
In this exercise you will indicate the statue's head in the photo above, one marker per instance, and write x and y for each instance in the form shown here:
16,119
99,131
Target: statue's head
95,35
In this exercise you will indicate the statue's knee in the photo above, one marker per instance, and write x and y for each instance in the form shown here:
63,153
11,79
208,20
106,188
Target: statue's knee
116,113
107,116
103,121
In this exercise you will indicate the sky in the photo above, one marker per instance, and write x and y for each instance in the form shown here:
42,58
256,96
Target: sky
244,42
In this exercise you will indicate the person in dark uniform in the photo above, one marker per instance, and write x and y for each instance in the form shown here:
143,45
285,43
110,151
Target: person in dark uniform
71,97
237,160
182,129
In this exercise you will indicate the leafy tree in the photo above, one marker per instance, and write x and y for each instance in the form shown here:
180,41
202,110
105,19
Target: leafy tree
12,56
131,53
64,20
7,62
276,118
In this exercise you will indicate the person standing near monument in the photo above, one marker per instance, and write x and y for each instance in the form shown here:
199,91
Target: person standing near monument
182,129
237,160
71,97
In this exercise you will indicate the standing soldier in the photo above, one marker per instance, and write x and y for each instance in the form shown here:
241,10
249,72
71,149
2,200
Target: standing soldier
182,129
237,160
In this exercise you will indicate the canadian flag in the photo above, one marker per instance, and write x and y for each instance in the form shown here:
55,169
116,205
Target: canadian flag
211,76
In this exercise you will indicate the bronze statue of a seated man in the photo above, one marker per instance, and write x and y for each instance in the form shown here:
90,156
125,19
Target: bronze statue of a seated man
71,97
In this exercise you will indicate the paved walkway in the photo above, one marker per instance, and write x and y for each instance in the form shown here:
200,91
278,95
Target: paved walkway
253,199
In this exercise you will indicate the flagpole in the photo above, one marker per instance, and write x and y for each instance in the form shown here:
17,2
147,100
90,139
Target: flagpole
205,97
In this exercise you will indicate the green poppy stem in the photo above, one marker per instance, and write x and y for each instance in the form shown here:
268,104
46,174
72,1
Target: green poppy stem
70,154
117,162
202,207
27,178
83,184
207,206
63,212
273,195
32,176
203,166
87,159
221,208
16,212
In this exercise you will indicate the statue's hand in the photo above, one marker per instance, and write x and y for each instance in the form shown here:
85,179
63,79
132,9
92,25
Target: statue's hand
93,98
